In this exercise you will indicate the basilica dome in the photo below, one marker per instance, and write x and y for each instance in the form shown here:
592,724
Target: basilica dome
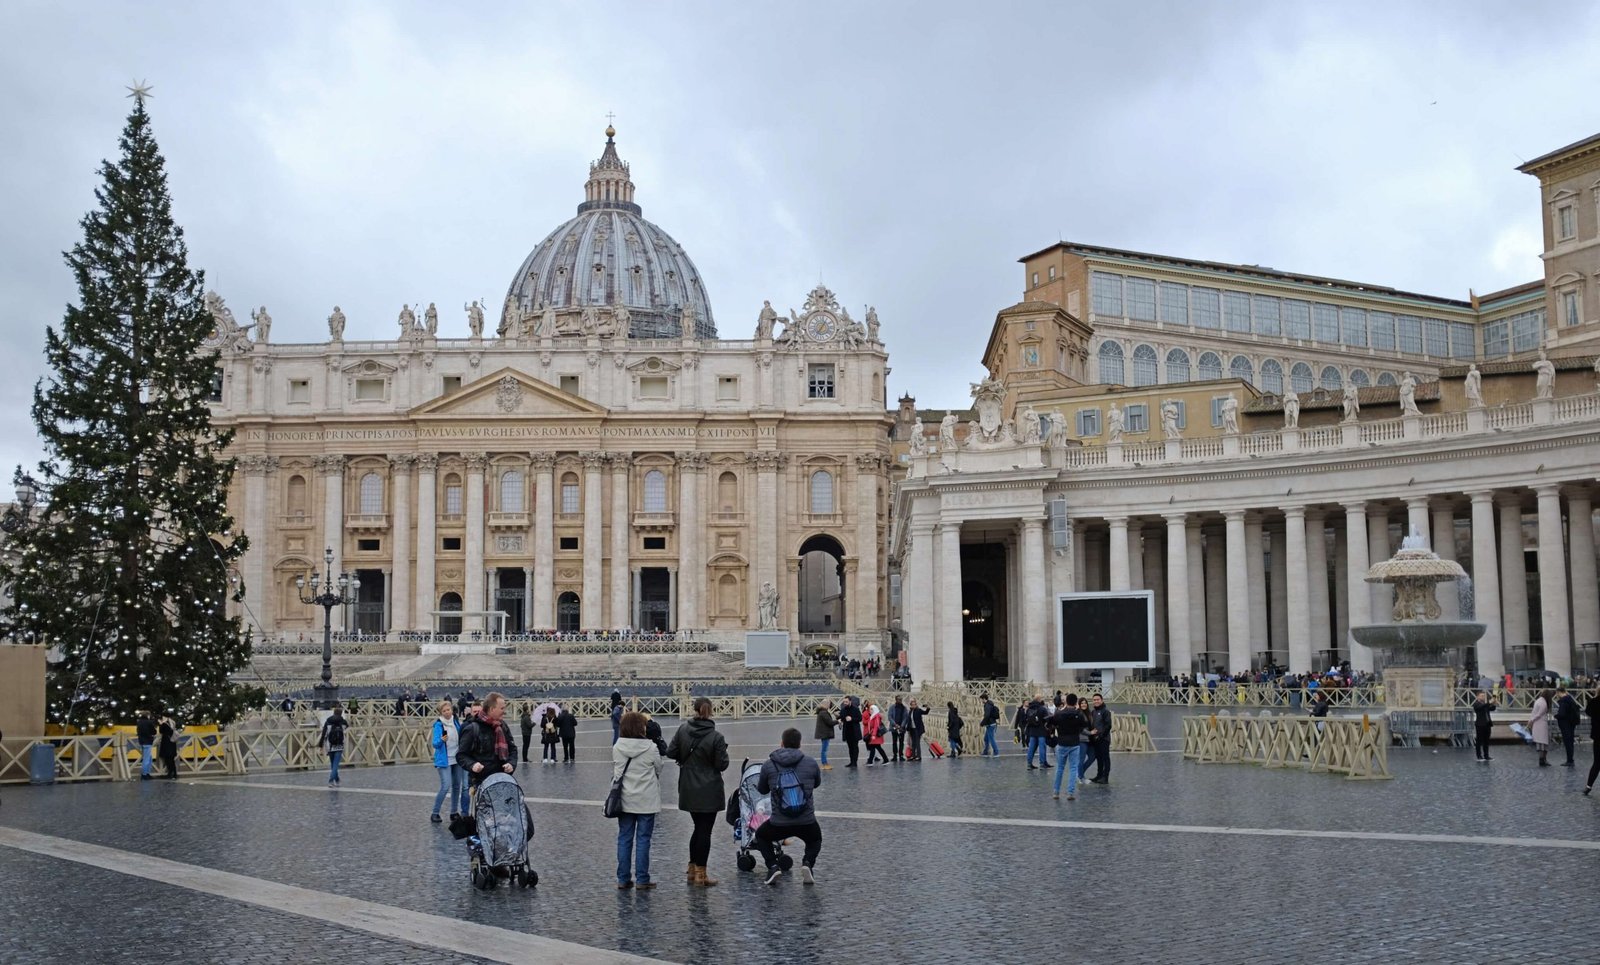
610,256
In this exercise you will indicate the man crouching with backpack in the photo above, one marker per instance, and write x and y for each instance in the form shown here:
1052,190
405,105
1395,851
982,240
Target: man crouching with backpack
789,777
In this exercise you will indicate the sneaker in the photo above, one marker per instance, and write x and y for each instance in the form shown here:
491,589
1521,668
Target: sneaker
454,815
806,877
435,819
1032,768
1055,797
1567,764
773,874
333,783
827,767
1072,797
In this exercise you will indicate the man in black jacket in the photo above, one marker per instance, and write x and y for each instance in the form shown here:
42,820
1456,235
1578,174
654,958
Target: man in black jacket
1035,726
1099,743
567,730
145,726
790,822
486,744
991,718
1567,714
850,726
1068,725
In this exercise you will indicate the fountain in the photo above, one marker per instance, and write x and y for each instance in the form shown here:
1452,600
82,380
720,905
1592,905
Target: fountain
1419,671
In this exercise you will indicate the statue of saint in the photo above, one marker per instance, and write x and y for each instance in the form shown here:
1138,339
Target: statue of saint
765,321
1169,419
621,321
1058,429
408,321
1028,428
1544,386
947,431
919,442
430,319
1230,416
767,604
474,318
1472,385
546,328
1291,411
510,318
1114,424
686,325
872,324
336,325
1408,394
589,321
1352,403
263,325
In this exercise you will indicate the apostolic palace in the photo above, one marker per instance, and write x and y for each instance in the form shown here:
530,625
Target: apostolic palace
1243,441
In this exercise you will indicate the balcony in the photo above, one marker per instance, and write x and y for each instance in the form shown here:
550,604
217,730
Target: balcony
653,522
294,521
366,522
510,521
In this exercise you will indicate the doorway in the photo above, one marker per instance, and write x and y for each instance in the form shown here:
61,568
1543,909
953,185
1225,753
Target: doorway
511,597
821,585
985,633
655,598
369,602
569,612
450,602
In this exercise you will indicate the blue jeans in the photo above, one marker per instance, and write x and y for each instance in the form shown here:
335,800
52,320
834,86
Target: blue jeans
825,742
1044,751
452,782
333,765
1067,761
144,760
989,746
633,846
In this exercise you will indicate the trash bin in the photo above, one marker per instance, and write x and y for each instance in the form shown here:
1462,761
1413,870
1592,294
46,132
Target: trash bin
41,764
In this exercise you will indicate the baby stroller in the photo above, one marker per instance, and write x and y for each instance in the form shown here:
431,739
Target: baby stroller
749,809
498,834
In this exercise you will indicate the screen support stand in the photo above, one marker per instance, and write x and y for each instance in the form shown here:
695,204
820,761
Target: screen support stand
1108,677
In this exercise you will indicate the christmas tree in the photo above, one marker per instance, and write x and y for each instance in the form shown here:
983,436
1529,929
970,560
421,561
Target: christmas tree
124,573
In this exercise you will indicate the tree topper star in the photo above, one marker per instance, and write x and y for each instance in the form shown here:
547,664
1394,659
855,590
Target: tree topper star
140,91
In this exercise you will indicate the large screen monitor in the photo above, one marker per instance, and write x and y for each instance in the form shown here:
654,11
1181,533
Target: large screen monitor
1105,630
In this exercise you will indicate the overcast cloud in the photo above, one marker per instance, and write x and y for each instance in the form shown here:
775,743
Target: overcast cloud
372,154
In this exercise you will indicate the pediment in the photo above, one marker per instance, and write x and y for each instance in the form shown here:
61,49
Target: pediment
508,392
653,365
371,368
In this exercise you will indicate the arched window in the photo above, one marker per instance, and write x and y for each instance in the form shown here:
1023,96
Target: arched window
1272,377
655,491
1210,366
569,493
1144,365
452,495
728,595
1240,368
511,491
1111,363
297,495
1331,379
822,491
1300,377
1177,365
371,494
1359,377
1387,378
728,493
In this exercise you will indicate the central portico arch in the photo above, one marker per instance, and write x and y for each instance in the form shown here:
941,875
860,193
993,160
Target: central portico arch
821,595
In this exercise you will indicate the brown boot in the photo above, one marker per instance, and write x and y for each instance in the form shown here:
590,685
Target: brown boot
701,879
689,875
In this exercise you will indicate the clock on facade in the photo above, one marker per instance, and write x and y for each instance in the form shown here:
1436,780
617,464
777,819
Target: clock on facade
821,327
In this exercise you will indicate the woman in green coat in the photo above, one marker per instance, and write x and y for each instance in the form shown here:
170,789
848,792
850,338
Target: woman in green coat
702,756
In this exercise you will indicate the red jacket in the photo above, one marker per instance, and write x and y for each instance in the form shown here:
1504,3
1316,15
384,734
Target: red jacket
872,728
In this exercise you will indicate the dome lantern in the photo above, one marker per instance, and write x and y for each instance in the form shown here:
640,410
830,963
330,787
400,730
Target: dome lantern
609,184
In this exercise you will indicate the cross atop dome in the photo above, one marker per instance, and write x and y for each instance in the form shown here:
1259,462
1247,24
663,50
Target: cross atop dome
609,184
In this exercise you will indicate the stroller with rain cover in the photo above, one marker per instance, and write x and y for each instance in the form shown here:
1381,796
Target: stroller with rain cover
748,810
498,834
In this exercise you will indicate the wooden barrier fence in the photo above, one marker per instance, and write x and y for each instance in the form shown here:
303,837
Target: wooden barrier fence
1357,747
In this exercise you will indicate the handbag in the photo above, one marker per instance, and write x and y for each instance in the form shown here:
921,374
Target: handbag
613,806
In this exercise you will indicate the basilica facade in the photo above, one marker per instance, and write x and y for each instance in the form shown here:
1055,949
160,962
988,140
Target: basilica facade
588,455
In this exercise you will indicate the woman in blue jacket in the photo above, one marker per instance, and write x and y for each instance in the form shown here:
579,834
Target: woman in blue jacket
452,779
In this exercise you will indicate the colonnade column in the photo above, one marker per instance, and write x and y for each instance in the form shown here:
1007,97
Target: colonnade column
1319,619
1580,535
331,468
949,600
543,616
427,519
1197,592
1136,556
399,597
1297,580
1278,598
1513,575
1180,657
1256,575
1486,587
477,462
1155,580
1238,593
1443,540
621,531
1118,546
1553,583
257,470
1417,519
864,591
592,611
1377,551
1216,577
1080,557
691,540
1037,649
919,621
1357,545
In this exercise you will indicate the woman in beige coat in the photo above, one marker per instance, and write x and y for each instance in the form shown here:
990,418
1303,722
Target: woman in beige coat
636,760
1539,725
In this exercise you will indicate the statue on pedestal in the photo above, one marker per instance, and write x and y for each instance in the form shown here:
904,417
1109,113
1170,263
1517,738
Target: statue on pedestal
1291,411
408,321
1114,424
947,431
765,321
767,606
263,325
474,318
1408,394
430,320
336,325
1544,385
919,442
1352,403
1169,419
872,324
1230,416
1472,386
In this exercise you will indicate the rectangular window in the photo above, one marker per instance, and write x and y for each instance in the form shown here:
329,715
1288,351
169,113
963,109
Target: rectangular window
1036,279
655,542
1296,318
1052,272
819,384
1216,410
1105,290
1205,307
1088,422
215,395
1325,323
728,388
450,544
1566,222
1174,303
1569,309
1183,414
569,497
894,590
369,390
300,390
1267,322
1236,311
369,545
569,383
452,500
1436,337
452,383
1353,323
1381,325
654,387
1138,418
1462,341
1410,333
1497,339
1141,299
1527,330
569,542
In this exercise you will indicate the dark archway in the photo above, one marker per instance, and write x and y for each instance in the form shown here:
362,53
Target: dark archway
822,601
569,611
450,602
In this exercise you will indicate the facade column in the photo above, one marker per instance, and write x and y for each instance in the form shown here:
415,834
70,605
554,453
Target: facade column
257,471
543,614
427,541
864,592
621,531
768,463
1417,519
1443,540
1297,589
592,609
1256,573
1179,642
477,462
1580,535
1357,547
1278,595
1216,576
920,598
1513,577
1197,592
331,468
1155,580
1340,590
1318,606
1553,583
398,600
1382,594
1486,587
691,541
1080,557
1136,556
1118,546
949,600
1238,606
1036,610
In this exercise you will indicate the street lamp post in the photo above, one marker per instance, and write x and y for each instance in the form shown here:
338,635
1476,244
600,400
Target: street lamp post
16,518
341,590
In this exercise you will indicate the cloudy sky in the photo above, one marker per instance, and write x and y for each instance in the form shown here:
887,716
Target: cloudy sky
371,154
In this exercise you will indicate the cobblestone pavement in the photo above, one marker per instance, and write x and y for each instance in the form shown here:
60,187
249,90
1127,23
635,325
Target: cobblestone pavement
889,890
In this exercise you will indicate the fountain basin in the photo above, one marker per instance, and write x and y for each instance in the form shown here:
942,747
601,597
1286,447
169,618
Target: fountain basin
1408,641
